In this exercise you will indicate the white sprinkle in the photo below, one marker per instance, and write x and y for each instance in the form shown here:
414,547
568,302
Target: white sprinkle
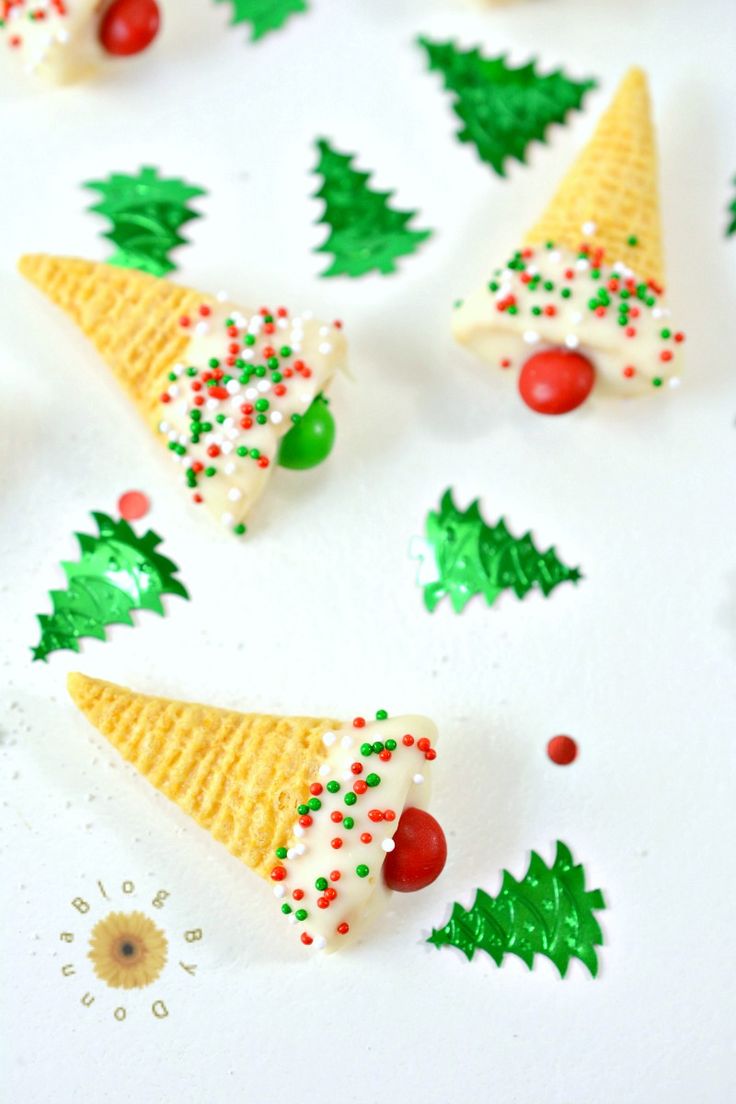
298,831
418,779
533,270
555,256
530,337
221,296
178,369
572,341
247,354
581,264
347,741
307,314
277,417
279,891
324,769
347,775
62,36
238,318
674,381
229,468
226,447
325,348
202,328
589,227
291,918
174,390
300,849
576,318
163,427
264,385
212,404
323,331
227,519
319,942
388,845
234,494
232,386
291,854
328,739
251,393
172,434
282,323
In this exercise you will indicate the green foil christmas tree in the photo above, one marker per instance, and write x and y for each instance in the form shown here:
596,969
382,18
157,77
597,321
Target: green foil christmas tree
503,108
117,572
146,211
462,556
549,912
264,16
366,233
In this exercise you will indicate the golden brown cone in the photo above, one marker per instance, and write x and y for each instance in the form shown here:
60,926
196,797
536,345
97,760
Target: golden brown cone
613,184
239,775
132,319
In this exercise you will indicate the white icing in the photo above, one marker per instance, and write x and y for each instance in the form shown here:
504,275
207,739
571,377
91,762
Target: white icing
237,483
358,899
503,339
63,45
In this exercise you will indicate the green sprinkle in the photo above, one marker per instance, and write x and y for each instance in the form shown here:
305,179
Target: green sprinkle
255,453
273,362
286,909
172,376
194,439
260,371
172,445
348,823
632,240
285,350
549,245
261,419
333,786
250,339
548,285
301,914
220,418
205,427
213,362
321,883
195,415
362,870
241,450
493,286
229,322
210,472
191,371
390,745
268,318
592,304
513,309
239,529
302,810
315,804
595,273
656,382
625,293
536,311
296,418
280,852
378,747
381,715
366,749
276,377
373,780
350,798
665,334
565,293
262,404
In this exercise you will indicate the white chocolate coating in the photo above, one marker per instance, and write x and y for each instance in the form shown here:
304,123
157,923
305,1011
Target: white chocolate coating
404,783
630,358
239,480
60,44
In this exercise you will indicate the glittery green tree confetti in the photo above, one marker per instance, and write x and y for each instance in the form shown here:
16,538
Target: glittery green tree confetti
263,15
503,108
462,556
366,234
731,229
147,212
117,572
550,913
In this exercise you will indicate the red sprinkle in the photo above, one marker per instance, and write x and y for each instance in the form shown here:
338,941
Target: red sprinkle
562,750
360,786
205,311
322,903
359,722
133,505
389,815
298,894
278,873
306,939
330,893
336,843
316,788
305,821
629,371
375,815
185,320
384,755
343,928
357,768
431,754
407,740
366,837
423,744
336,816
335,876
666,355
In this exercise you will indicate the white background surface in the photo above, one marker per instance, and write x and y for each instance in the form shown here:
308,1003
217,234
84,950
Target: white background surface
317,611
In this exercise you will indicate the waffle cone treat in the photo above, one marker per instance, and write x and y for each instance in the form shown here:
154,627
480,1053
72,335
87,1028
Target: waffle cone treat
580,307
284,795
62,41
230,392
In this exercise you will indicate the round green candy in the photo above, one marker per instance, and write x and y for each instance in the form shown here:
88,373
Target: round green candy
311,439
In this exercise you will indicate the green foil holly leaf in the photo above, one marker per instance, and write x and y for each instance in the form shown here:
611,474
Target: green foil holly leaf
731,228
463,556
264,16
366,233
503,108
117,572
549,912
147,212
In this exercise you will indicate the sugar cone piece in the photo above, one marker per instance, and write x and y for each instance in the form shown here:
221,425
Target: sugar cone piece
613,185
238,775
132,319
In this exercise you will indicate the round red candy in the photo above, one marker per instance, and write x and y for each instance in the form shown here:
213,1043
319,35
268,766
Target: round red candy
129,26
562,750
133,505
419,855
556,381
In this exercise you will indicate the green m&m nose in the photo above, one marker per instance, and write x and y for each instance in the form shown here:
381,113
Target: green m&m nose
311,439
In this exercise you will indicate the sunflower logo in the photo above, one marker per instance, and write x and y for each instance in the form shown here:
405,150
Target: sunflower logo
128,951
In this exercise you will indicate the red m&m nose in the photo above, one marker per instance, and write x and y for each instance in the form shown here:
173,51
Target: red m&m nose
129,26
419,855
556,381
